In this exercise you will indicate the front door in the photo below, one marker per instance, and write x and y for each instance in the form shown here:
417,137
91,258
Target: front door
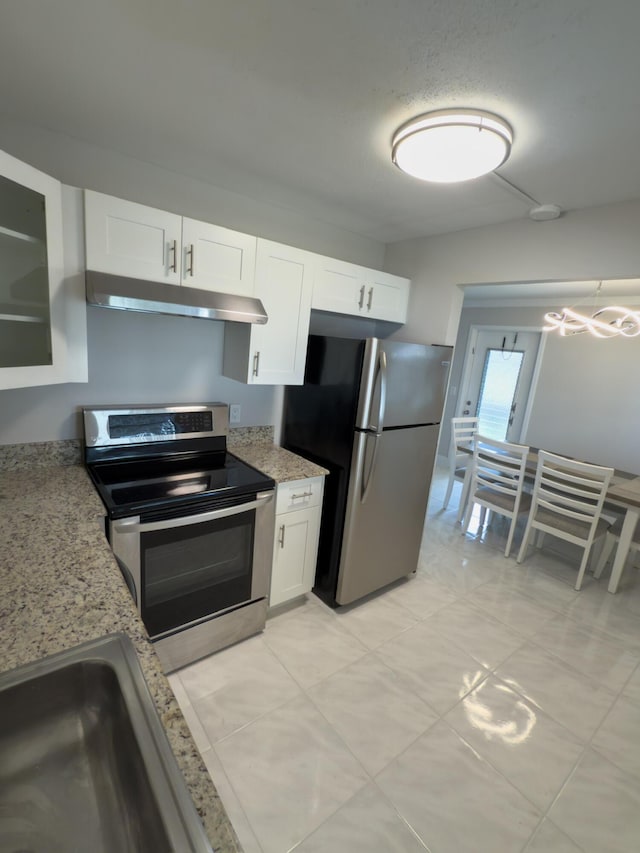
497,380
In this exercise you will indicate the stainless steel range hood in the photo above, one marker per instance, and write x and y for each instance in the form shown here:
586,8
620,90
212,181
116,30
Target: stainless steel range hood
152,297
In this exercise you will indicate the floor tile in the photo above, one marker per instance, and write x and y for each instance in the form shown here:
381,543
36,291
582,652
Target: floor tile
420,595
521,613
549,839
439,672
530,749
231,803
373,711
617,735
454,799
632,687
248,682
575,701
375,621
368,823
290,771
599,808
588,650
312,645
484,638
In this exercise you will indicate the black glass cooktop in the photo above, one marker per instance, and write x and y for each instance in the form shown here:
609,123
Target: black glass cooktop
195,483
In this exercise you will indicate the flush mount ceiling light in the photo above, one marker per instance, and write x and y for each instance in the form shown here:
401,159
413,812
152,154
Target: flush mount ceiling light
607,322
448,146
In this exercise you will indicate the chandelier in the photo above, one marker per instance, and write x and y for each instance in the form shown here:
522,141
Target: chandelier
608,322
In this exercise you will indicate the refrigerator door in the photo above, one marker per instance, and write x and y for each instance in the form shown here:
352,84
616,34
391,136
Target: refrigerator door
386,506
402,384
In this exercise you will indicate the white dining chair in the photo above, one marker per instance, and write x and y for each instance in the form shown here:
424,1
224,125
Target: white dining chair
567,503
463,431
497,481
611,540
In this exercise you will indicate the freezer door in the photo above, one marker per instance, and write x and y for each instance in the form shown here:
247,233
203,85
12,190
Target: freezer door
386,506
402,384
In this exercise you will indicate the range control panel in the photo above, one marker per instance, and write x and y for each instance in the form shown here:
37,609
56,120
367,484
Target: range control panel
107,426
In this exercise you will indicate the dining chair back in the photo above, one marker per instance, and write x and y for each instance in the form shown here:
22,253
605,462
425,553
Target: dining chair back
463,431
497,481
567,503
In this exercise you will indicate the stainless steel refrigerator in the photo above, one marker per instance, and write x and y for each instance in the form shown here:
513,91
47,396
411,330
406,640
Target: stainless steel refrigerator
369,411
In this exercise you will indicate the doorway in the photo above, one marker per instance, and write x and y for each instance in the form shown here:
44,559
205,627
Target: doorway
498,375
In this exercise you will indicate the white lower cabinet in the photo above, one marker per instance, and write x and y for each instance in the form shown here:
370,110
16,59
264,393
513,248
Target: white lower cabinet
295,548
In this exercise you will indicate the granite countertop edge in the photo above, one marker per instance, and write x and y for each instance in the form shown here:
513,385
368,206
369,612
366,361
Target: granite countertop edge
62,587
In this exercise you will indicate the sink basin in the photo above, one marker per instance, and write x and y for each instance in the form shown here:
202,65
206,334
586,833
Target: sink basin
85,764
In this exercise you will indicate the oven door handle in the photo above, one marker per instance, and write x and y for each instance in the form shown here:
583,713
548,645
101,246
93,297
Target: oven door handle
135,526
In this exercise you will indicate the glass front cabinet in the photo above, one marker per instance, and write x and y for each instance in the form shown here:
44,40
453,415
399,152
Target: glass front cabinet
33,313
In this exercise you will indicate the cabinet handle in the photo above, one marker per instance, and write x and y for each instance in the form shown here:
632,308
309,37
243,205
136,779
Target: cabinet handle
173,248
308,494
361,300
370,301
281,536
190,260
256,363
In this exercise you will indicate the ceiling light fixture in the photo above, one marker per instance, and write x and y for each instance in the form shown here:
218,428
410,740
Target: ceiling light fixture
606,322
448,146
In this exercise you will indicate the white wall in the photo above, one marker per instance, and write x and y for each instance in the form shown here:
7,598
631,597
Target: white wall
596,243
153,359
587,402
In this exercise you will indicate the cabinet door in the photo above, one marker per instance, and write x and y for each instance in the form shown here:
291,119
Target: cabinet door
217,259
338,286
294,555
284,284
32,310
274,354
386,297
130,239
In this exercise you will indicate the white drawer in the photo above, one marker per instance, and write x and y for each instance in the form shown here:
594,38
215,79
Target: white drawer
298,494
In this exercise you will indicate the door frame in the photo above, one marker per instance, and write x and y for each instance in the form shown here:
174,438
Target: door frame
465,377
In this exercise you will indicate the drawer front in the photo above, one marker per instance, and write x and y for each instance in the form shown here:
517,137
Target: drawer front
298,494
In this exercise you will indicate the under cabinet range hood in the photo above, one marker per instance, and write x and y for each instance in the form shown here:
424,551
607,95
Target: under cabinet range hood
153,297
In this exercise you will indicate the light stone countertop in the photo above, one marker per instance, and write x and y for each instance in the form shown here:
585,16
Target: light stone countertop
60,586
276,462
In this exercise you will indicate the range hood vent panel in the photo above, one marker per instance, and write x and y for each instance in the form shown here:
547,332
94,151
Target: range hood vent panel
153,297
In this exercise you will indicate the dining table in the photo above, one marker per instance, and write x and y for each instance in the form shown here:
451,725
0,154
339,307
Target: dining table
623,494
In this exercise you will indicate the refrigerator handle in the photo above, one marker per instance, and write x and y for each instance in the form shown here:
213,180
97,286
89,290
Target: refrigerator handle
365,482
382,401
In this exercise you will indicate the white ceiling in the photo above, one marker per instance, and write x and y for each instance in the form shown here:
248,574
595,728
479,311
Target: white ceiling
294,102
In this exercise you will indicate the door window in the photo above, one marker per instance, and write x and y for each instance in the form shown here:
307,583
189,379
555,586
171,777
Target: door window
496,400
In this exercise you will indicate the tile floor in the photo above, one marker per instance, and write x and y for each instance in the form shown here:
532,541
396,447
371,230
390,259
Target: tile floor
479,706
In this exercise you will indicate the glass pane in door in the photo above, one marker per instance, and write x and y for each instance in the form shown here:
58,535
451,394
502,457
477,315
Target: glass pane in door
497,391
24,287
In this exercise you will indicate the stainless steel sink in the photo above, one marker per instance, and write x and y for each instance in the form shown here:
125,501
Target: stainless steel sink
85,764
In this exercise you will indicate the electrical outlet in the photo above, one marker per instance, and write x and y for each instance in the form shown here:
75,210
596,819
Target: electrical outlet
234,414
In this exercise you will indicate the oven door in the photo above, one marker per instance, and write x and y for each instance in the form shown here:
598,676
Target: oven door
189,568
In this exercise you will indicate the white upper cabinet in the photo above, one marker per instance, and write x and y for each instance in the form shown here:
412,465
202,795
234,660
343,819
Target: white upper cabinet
133,240
346,288
217,259
337,286
35,316
274,354
387,296
130,239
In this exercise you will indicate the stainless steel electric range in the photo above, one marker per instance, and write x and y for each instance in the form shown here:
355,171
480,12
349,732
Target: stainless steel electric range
190,524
